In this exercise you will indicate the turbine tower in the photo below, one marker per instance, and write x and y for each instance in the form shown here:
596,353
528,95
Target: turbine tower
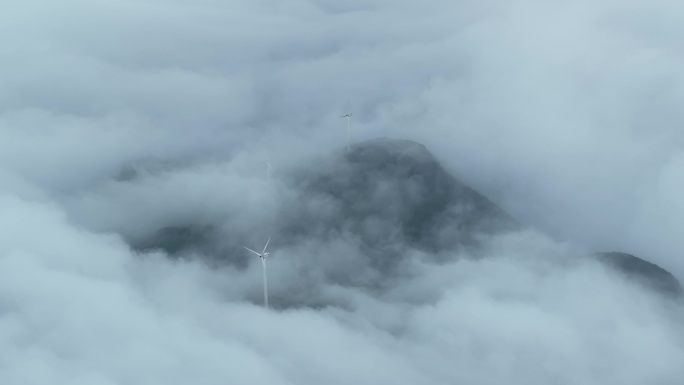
269,169
263,256
347,115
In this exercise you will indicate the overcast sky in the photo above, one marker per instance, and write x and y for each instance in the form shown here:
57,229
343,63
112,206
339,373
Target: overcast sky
565,113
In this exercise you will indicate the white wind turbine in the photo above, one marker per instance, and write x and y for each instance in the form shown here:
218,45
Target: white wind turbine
263,256
269,169
348,115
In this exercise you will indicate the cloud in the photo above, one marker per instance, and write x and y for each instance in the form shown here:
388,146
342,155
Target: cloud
121,118
77,308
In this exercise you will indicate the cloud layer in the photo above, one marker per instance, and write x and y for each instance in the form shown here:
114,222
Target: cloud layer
119,118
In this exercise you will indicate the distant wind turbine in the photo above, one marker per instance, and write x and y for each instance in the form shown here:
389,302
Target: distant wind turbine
263,256
269,169
348,115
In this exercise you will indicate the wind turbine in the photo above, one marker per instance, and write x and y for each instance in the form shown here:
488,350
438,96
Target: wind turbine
348,115
263,256
269,169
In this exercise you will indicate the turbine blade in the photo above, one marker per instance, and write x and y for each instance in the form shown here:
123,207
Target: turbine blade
269,240
252,250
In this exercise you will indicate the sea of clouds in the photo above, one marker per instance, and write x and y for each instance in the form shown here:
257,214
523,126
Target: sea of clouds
121,117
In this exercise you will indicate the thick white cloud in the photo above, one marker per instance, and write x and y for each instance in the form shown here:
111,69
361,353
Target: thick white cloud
77,308
565,113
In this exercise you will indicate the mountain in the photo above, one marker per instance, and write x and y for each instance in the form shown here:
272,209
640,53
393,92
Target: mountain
389,192
387,195
387,198
643,272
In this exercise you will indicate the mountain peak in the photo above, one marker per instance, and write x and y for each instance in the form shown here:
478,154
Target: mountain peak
384,184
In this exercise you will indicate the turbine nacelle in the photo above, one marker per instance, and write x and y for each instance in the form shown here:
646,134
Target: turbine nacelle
263,253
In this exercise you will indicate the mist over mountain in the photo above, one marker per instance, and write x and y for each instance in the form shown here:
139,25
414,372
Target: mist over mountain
389,197
397,188
649,274
522,227
385,199
384,192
